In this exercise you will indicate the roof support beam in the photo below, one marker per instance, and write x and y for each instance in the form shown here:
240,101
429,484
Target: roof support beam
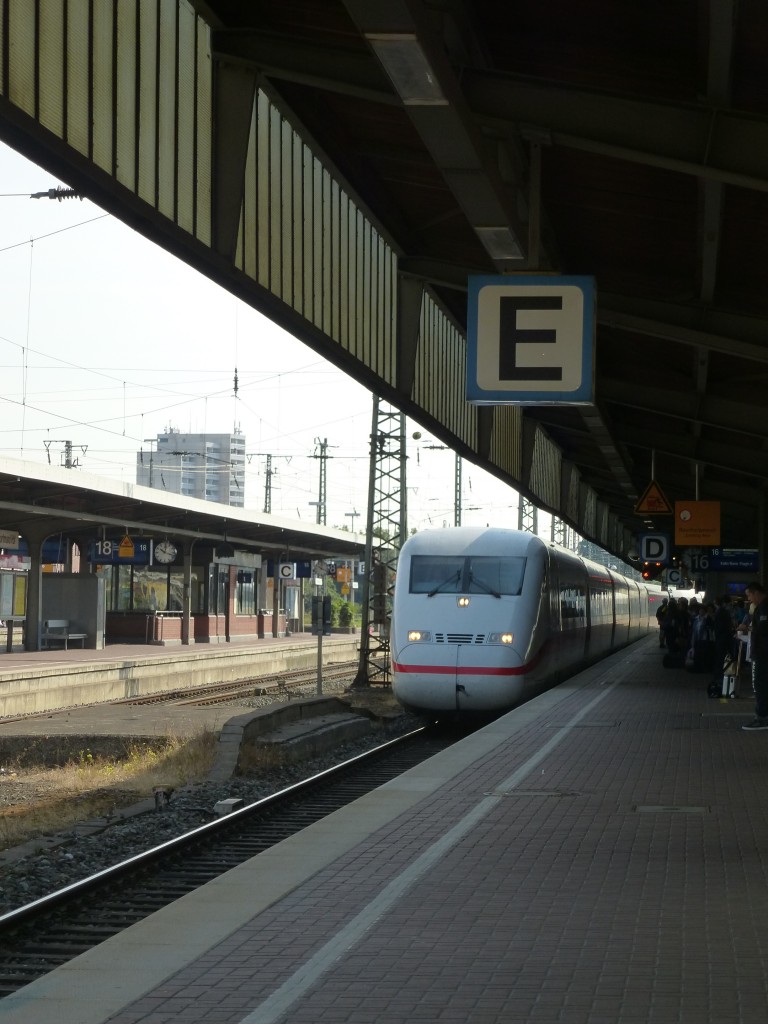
720,413
410,296
675,328
403,37
697,139
721,17
234,91
304,62
721,456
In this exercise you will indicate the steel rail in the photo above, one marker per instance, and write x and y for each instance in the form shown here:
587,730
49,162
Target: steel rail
41,935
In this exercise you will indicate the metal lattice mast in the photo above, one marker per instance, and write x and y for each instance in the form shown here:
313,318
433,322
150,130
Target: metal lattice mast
322,498
386,530
457,492
558,531
527,516
268,485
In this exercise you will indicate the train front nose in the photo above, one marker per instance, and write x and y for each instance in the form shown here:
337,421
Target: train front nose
425,677
475,676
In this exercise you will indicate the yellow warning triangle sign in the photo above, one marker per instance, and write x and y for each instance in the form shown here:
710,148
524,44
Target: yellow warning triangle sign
653,502
126,548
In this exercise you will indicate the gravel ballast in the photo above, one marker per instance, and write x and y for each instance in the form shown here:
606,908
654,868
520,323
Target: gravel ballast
52,862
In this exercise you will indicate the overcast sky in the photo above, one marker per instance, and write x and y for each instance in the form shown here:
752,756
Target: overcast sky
106,340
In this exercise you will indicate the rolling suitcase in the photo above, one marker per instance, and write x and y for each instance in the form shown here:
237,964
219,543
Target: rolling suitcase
730,675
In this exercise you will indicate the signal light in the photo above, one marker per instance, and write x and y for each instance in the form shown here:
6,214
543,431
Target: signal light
652,570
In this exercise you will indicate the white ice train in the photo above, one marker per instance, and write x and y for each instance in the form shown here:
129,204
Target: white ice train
485,618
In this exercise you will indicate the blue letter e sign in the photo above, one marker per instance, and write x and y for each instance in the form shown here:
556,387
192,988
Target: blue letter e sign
530,340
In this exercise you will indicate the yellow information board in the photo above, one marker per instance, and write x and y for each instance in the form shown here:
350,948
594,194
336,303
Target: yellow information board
697,522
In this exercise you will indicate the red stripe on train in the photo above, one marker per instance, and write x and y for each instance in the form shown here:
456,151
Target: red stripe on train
463,670
471,670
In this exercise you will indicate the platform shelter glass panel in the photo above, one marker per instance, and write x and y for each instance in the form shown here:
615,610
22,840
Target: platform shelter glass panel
245,593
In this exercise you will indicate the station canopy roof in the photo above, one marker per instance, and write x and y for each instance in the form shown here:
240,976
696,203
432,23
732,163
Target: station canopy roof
649,122
57,500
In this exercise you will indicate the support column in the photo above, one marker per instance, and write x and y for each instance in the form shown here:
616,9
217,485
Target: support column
34,538
187,633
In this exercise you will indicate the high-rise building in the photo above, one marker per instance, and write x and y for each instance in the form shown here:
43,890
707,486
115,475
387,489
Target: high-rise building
207,466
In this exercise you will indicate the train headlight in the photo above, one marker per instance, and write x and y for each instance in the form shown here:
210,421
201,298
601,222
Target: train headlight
462,602
501,638
418,635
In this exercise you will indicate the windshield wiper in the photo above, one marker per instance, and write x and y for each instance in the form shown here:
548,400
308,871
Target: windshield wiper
454,577
483,585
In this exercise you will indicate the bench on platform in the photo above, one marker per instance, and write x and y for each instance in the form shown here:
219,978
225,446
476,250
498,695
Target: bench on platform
57,631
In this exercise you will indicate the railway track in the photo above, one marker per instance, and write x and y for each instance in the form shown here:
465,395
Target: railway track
53,930
275,686
288,684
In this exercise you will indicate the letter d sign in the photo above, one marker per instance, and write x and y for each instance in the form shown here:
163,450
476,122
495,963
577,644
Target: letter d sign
654,547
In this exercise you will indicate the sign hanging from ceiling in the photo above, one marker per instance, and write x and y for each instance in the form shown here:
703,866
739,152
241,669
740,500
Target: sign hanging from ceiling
530,340
743,559
653,502
116,551
697,522
654,547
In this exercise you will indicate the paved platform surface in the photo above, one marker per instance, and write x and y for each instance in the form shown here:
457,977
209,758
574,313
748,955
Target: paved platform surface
133,718
119,654
598,856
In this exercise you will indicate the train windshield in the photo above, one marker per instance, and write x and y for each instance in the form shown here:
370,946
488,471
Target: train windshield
466,574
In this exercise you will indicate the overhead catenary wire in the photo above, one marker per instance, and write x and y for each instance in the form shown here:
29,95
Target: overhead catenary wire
139,398
186,398
50,234
45,417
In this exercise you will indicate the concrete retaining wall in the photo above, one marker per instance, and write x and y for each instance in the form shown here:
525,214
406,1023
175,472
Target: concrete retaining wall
71,684
290,732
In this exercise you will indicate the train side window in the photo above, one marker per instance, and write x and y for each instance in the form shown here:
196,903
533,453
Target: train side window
573,605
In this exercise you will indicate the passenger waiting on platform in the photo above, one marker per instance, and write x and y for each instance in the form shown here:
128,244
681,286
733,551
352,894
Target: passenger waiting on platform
703,639
661,611
756,593
723,630
746,623
684,629
674,626
739,611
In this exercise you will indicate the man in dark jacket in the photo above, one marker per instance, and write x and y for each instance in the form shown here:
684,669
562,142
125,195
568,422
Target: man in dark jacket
756,593
661,612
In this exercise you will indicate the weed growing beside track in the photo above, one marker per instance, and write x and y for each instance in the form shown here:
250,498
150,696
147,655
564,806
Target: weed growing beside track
48,784
35,800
